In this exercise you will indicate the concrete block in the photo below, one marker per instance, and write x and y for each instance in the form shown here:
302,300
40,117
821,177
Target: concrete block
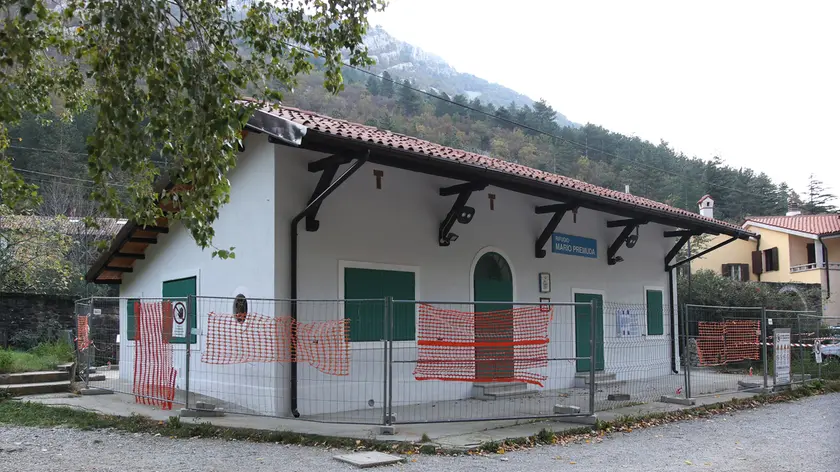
618,397
95,391
96,377
205,406
677,400
193,413
590,419
367,459
388,430
566,410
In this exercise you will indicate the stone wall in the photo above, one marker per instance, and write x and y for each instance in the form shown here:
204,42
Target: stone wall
31,315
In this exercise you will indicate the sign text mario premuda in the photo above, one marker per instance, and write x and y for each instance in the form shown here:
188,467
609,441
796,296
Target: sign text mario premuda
574,245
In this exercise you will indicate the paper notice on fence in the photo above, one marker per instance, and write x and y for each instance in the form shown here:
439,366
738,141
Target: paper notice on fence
628,323
781,358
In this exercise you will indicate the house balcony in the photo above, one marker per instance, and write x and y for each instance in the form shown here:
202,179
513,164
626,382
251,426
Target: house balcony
815,266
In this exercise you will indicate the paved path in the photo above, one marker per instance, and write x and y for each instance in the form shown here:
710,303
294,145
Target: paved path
800,436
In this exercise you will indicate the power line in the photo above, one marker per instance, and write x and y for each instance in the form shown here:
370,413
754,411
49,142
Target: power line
58,176
54,151
536,130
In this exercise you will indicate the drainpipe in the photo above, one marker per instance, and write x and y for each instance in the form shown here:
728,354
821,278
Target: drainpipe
758,249
827,273
293,273
674,317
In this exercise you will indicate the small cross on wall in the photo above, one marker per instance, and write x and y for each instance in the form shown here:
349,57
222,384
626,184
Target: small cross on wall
378,174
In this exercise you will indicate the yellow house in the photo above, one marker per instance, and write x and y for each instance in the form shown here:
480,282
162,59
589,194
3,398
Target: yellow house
791,248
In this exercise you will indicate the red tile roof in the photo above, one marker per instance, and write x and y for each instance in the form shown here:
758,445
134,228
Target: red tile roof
370,134
812,224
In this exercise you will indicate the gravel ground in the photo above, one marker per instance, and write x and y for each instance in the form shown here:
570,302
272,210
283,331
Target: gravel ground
800,436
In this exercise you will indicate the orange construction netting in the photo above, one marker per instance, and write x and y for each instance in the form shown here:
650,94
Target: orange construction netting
237,339
154,375
720,342
83,332
498,346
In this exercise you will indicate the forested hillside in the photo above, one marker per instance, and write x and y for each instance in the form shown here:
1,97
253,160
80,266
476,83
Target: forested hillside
53,152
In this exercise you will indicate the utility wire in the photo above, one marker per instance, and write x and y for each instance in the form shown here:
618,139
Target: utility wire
536,130
47,174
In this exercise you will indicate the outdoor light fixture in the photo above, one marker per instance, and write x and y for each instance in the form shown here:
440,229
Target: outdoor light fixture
632,239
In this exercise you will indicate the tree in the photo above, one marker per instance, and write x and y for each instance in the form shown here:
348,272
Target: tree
818,198
387,87
409,99
165,77
33,253
374,85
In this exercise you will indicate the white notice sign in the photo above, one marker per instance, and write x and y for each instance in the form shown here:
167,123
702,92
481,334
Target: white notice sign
179,318
781,359
628,322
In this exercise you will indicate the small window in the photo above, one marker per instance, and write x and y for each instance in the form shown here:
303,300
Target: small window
812,253
740,272
655,312
240,308
771,259
364,290
735,272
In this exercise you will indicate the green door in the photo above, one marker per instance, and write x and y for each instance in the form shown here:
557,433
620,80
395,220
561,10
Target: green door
178,291
493,296
583,328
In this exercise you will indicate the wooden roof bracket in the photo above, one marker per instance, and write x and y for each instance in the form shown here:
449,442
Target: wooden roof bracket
685,236
459,212
328,167
559,210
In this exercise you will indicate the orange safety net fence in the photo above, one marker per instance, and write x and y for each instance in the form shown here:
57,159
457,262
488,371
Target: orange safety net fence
237,339
83,332
154,375
497,346
720,342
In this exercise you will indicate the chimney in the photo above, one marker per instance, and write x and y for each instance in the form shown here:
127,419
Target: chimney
707,206
793,208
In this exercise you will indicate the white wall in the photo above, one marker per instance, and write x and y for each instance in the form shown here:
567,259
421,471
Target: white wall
245,223
398,225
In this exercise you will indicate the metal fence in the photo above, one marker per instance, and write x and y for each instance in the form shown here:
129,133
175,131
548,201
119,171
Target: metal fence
384,361
752,349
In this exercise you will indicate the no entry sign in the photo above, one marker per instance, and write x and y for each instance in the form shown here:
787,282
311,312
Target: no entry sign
179,316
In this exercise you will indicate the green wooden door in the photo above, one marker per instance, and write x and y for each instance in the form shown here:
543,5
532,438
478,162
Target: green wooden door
493,292
178,291
583,328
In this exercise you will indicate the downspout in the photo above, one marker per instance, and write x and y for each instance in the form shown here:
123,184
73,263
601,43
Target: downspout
758,249
293,272
674,318
825,267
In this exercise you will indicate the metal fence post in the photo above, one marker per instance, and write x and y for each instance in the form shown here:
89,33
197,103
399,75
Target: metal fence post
191,303
592,356
389,301
764,343
90,312
385,325
818,336
801,347
686,352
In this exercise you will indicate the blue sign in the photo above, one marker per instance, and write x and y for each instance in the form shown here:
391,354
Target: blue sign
574,245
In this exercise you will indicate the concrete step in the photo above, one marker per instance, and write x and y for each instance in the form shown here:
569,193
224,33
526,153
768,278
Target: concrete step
492,390
34,377
37,388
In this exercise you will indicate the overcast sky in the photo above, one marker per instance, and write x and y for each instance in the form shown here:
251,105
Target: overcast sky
756,83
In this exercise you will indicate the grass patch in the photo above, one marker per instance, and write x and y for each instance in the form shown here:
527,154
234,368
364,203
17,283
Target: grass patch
45,356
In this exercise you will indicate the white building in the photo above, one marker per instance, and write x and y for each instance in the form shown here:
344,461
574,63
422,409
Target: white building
383,232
